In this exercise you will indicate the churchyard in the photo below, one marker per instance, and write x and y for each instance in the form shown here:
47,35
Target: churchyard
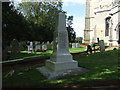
59,68
46,54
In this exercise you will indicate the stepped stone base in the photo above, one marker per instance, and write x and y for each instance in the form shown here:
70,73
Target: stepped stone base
55,70
58,66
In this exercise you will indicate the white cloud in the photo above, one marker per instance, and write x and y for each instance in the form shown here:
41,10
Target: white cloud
78,25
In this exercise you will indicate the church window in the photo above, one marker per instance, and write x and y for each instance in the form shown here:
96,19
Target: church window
107,26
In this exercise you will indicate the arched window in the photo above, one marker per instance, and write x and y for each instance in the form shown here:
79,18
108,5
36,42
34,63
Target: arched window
107,26
117,29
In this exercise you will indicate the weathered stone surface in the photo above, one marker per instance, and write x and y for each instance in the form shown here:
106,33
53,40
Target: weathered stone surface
50,74
15,46
102,46
61,61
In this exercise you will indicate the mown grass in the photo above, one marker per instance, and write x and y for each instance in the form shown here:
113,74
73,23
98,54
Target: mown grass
23,54
77,50
101,66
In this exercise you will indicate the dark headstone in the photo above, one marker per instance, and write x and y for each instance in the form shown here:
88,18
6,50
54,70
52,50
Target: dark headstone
14,46
5,55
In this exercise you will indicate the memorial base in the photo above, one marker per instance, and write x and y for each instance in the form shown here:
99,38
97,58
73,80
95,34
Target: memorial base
55,70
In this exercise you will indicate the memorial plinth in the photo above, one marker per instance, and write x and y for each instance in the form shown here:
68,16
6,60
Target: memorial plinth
61,62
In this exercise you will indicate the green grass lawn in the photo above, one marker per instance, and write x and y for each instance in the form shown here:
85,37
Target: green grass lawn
48,52
77,50
101,66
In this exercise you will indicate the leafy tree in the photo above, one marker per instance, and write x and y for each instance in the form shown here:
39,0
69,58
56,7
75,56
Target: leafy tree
14,24
71,32
79,39
41,17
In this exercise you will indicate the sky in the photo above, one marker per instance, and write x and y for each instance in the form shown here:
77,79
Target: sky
76,8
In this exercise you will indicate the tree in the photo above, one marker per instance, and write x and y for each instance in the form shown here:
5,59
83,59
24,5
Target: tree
41,17
79,39
14,24
71,32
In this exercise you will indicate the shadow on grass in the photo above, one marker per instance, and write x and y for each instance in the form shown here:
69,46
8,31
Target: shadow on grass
102,67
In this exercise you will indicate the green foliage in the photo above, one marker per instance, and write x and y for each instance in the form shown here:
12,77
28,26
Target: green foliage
14,24
42,18
79,39
71,32
29,21
77,50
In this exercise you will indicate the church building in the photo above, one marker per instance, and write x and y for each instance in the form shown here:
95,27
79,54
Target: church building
102,21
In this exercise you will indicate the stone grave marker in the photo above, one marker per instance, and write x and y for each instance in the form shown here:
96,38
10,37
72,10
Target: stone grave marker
30,48
37,46
102,46
49,46
77,45
52,45
44,47
22,45
61,62
5,54
14,46
73,45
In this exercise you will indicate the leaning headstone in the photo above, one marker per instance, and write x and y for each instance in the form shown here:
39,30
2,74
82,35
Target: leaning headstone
14,46
102,46
61,62
73,45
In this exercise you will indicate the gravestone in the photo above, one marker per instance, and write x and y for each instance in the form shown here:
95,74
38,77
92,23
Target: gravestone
49,46
52,45
44,47
48,42
22,45
77,45
102,46
37,46
61,62
14,46
30,48
5,54
73,45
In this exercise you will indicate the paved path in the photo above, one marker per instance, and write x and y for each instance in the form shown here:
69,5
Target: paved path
19,59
